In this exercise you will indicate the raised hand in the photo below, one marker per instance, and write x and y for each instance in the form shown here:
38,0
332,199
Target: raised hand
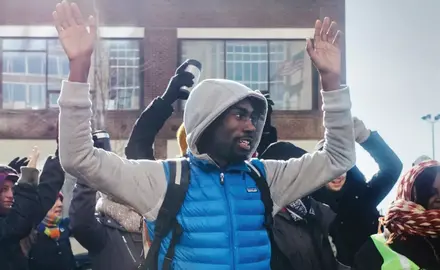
77,41
174,89
17,163
33,157
326,54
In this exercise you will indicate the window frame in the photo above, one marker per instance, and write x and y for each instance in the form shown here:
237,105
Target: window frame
51,91
315,74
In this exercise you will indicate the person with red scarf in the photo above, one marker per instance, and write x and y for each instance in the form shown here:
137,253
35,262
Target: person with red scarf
411,226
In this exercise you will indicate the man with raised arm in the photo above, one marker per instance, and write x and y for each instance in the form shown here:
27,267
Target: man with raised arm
222,215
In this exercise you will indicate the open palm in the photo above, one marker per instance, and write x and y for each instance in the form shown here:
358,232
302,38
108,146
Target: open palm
74,36
325,51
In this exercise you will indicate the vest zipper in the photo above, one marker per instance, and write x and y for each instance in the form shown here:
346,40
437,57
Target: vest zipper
129,251
231,229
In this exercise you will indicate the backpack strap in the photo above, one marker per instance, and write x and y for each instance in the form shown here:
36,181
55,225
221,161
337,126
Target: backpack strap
263,187
166,219
278,260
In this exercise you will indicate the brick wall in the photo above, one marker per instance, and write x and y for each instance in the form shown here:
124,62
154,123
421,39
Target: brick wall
161,19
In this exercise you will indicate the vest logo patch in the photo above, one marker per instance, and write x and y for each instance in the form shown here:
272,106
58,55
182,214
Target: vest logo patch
252,189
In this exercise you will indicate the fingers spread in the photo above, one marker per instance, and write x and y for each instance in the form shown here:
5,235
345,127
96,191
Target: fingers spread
318,26
68,13
57,22
62,15
310,49
332,30
76,13
337,40
324,29
92,26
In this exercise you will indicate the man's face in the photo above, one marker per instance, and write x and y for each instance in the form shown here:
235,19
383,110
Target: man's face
338,183
235,136
6,196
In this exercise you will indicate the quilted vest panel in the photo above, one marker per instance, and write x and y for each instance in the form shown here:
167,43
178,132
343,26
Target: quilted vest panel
222,219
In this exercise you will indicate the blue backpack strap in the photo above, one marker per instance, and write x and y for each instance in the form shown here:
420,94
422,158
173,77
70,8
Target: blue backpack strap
178,183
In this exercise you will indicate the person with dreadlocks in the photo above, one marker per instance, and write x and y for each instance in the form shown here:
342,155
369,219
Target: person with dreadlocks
411,227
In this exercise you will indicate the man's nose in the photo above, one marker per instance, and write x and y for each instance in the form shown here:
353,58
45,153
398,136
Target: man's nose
249,126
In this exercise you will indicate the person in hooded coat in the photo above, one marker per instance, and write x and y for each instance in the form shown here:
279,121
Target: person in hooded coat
355,200
410,240
222,216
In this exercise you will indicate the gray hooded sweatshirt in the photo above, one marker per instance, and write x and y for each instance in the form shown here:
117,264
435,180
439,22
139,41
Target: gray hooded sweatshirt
142,184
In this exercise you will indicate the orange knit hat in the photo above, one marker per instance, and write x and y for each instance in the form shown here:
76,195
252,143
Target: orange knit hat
181,139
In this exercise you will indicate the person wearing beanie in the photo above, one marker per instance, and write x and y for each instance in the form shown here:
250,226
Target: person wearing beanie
354,199
32,197
152,119
48,246
222,217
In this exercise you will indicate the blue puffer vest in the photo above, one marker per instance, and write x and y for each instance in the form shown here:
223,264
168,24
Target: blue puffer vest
222,218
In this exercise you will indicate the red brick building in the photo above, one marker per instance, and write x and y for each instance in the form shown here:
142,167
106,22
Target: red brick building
259,43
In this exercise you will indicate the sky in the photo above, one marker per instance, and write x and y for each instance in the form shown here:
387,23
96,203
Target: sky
393,70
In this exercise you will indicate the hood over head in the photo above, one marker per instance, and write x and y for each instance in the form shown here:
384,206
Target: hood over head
208,100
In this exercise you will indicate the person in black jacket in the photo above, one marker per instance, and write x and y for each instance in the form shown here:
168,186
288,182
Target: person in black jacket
48,246
152,119
109,230
29,207
354,200
301,229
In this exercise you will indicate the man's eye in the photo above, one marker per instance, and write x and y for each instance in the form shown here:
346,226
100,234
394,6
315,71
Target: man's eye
239,116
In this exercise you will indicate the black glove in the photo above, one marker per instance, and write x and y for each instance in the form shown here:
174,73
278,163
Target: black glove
180,79
17,163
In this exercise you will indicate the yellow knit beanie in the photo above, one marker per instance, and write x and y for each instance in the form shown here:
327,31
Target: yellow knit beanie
181,139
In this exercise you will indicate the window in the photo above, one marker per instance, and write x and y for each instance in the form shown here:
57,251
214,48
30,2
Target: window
34,68
24,96
122,58
281,68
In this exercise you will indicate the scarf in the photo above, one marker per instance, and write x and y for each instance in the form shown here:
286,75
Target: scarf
406,217
125,216
50,226
300,208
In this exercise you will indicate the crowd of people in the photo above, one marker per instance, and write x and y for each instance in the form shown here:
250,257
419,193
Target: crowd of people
236,198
